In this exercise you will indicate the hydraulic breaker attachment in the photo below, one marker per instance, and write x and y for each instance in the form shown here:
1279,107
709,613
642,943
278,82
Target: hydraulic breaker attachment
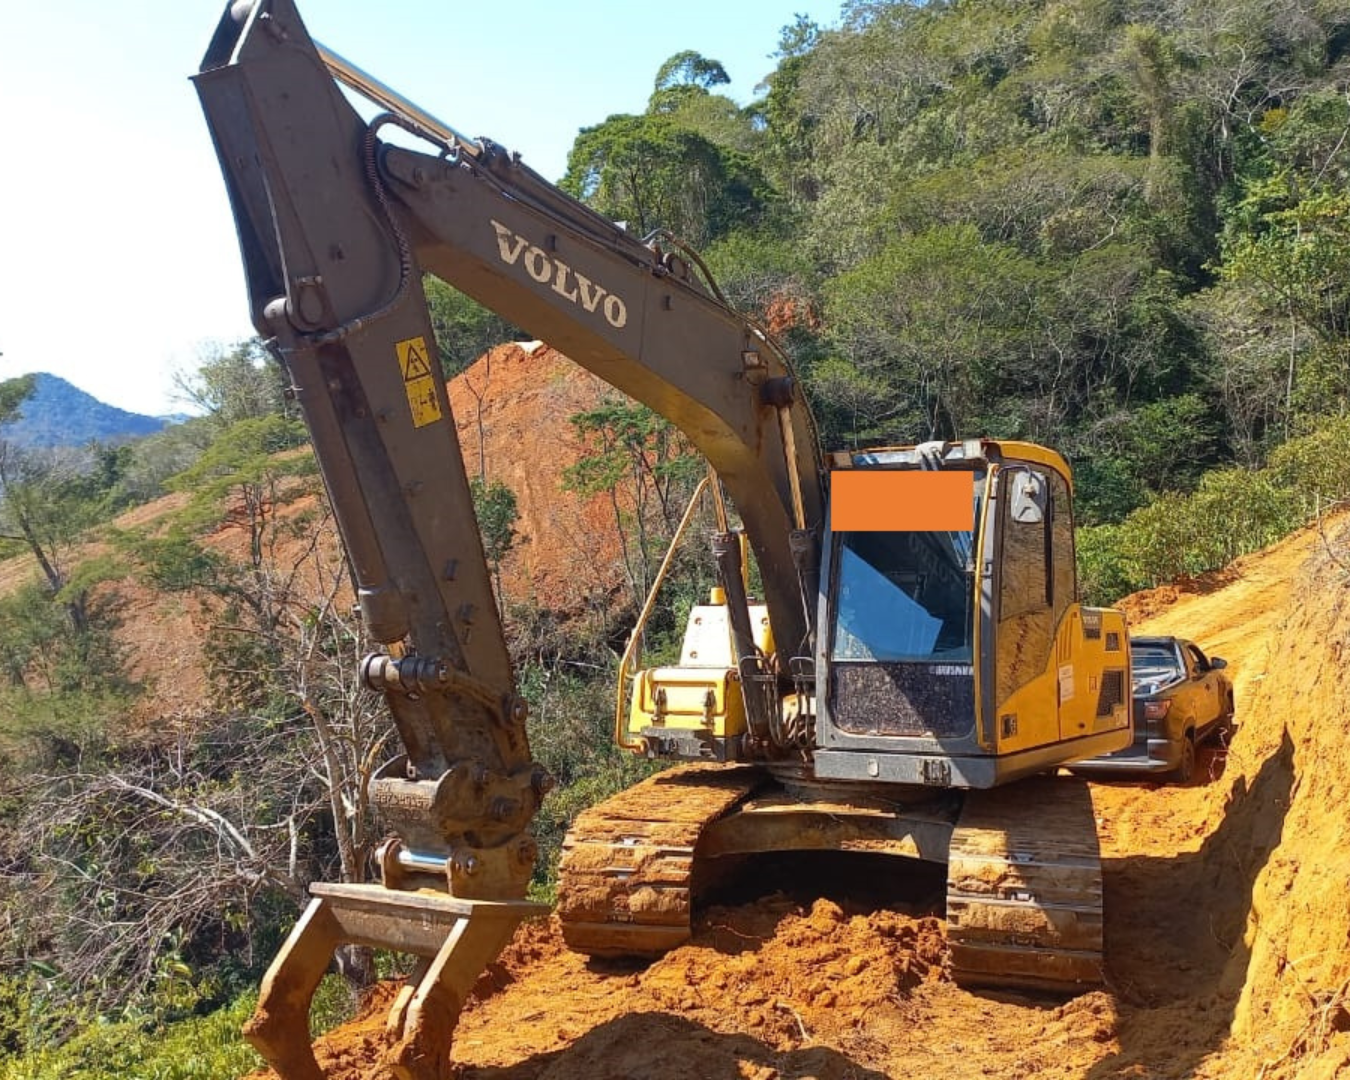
455,938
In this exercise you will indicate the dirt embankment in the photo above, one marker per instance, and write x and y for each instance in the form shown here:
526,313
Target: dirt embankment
512,410
1228,917
1229,923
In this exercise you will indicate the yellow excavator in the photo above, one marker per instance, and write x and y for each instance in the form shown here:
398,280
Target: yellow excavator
916,670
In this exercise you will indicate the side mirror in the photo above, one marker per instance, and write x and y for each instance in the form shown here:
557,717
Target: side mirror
1217,662
1028,494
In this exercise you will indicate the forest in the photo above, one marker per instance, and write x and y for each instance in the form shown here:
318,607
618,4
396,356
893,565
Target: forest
1120,228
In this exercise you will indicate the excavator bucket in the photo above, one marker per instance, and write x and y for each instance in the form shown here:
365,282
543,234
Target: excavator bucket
456,940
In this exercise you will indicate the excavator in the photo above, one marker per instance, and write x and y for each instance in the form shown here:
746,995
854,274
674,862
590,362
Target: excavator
916,670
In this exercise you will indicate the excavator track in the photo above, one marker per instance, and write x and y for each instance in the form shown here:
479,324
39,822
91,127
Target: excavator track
1024,888
625,885
1024,885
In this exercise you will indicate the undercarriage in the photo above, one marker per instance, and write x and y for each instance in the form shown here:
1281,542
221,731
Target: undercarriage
1023,892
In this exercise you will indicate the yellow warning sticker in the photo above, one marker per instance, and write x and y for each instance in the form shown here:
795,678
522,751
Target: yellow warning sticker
414,360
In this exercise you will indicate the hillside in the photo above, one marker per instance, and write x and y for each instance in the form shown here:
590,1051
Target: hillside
511,408
1227,913
60,414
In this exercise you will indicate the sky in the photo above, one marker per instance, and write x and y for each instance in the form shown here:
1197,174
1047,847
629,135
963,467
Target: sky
118,260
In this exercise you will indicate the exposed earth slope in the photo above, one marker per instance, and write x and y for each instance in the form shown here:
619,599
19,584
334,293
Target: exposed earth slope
512,408
1228,917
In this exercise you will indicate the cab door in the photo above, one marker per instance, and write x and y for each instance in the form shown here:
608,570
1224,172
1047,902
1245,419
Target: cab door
1025,691
1208,706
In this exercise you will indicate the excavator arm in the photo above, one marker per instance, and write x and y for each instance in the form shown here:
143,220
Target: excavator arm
336,226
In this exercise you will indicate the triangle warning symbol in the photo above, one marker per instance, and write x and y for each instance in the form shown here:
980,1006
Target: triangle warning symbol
414,362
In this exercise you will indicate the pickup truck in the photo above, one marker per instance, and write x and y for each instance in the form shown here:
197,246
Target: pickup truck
1181,698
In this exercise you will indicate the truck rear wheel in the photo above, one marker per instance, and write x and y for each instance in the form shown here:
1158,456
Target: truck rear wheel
1184,773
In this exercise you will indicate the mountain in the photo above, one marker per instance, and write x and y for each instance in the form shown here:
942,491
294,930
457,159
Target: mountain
59,414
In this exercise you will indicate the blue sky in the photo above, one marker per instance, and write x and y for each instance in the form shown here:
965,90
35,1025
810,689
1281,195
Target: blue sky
118,264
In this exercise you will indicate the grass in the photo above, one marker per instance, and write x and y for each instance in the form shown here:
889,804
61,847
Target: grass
198,1048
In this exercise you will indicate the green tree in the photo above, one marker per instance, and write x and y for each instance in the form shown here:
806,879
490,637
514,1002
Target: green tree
646,468
13,393
1248,359
692,70
250,474
941,315
858,407
153,460
759,270
494,505
872,77
48,500
242,381
788,124
652,172
1296,257
1149,60
684,92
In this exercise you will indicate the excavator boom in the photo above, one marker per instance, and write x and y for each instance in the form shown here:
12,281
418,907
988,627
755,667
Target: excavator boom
344,270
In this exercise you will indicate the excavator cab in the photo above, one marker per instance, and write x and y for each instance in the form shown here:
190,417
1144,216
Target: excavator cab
951,649
962,657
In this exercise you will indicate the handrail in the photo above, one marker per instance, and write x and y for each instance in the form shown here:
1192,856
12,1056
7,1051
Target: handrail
635,638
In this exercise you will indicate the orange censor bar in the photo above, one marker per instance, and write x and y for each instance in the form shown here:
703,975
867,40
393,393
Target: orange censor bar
888,500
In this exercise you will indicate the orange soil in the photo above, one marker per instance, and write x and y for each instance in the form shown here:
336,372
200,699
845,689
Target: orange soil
516,400
1228,917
